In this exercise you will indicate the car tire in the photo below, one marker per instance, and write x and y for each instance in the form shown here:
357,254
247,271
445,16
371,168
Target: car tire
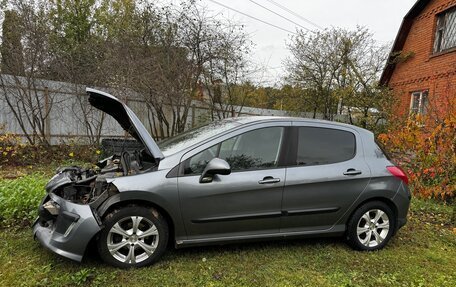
371,226
133,236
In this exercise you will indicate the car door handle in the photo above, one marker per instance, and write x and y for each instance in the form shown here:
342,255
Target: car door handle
269,180
352,171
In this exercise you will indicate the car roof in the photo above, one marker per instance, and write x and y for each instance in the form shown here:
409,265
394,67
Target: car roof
253,119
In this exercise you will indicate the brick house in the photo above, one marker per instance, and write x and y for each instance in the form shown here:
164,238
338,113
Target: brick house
421,69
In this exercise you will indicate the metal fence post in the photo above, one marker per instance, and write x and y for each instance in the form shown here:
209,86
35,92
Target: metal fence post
47,121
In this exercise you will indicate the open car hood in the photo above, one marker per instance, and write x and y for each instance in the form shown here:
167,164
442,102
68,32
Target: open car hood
126,118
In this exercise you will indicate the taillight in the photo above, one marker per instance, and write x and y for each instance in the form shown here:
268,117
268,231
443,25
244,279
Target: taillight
398,172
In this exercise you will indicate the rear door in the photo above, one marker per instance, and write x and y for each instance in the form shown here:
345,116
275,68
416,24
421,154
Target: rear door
326,174
245,202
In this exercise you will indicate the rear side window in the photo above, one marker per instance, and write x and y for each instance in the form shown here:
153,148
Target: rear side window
381,150
318,146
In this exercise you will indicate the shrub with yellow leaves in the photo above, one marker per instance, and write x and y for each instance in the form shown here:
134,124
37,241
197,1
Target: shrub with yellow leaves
425,146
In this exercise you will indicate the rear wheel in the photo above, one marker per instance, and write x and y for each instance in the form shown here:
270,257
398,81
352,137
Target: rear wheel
133,236
371,226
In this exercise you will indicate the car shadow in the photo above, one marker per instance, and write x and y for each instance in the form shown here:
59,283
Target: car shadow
263,244
91,256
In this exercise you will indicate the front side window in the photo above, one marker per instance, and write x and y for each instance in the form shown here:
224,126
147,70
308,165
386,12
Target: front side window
418,102
445,32
317,146
197,163
253,150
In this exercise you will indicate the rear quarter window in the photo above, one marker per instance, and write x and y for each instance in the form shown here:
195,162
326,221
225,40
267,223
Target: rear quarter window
317,146
381,150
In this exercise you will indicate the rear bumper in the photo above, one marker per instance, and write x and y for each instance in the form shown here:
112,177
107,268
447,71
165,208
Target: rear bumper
402,202
401,222
69,233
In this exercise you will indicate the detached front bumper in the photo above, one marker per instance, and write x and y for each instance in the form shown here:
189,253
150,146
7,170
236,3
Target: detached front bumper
69,233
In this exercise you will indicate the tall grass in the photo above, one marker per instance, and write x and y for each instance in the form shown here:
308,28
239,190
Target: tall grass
20,197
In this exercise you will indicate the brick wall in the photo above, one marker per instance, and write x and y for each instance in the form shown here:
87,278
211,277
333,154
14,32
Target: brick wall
425,70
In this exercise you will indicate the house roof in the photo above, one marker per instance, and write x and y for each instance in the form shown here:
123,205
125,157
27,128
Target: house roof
401,37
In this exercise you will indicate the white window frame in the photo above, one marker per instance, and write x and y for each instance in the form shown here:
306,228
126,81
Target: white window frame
421,109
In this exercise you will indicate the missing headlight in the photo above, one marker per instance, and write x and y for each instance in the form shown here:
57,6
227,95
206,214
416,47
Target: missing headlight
52,207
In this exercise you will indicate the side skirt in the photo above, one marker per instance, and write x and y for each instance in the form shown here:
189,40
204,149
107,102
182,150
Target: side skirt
335,231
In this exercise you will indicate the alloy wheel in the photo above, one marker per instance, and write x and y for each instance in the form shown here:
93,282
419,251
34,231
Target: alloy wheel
132,239
373,227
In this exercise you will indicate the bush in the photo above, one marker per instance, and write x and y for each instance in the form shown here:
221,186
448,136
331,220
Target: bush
14,152
10,144
19,199
426,149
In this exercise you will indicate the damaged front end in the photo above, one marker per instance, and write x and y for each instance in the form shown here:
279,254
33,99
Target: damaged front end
68,218
65,227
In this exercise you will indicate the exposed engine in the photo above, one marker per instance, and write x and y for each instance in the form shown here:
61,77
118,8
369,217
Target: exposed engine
88,185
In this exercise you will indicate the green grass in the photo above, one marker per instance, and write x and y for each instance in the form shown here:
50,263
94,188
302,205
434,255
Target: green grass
21,190
423,253
20,197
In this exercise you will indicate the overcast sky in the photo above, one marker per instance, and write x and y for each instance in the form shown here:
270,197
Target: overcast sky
381,17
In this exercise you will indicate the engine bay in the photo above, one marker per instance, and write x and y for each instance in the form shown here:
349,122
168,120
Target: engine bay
87,185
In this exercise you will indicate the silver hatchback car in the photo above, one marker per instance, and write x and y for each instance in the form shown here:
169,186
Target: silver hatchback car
232,180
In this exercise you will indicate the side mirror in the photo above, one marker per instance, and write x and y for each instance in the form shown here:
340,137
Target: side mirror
215,166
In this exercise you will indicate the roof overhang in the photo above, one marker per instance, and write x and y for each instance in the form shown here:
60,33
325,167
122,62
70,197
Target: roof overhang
401,37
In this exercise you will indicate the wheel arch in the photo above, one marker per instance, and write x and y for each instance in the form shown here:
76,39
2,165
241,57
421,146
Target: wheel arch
146,199
385,200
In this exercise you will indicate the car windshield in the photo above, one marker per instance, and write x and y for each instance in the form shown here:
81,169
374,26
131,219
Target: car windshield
193,136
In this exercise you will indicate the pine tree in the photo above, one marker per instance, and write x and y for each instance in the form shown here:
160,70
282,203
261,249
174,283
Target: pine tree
11,49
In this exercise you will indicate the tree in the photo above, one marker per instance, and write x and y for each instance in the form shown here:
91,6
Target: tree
78,51
75,42
165,73
364,60
339,68
11,50
25,96
225,69
187,49
314,66
162,54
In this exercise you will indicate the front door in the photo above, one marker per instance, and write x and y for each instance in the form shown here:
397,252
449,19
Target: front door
245,202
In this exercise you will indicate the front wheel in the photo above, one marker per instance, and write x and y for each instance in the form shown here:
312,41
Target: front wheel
133,236
371,226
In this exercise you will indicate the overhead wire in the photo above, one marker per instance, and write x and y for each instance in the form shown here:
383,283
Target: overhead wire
281,16
252,17
295,14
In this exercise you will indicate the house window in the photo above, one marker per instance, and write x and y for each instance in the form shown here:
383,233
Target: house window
418,102
445,33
